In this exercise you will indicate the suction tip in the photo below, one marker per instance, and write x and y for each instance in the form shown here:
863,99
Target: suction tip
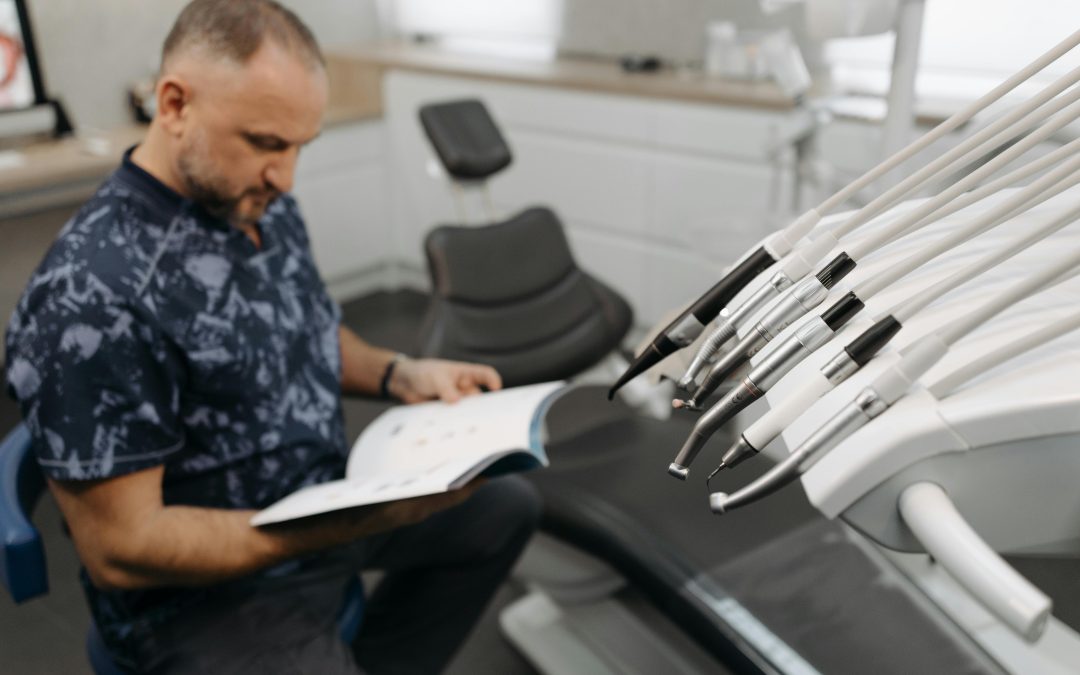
660,348
639,366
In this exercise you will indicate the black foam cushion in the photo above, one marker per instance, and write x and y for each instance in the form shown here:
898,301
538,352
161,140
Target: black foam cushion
510,295
465,138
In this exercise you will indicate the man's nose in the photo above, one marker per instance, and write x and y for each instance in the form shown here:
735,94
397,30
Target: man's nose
280,172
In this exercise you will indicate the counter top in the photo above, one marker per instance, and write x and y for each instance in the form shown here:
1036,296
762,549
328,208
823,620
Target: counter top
65,161
53,173
596,75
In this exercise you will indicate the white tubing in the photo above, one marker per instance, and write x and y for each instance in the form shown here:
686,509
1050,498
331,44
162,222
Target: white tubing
1063,175
1013,131
917,216
958,118
768,426
1031,284
915,359
781,243
904,310
947,537
994,131
1013,177
972,369
805,258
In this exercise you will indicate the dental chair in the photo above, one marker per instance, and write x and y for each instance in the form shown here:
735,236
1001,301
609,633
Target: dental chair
509,293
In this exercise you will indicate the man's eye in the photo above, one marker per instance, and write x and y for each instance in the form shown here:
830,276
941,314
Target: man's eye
266,143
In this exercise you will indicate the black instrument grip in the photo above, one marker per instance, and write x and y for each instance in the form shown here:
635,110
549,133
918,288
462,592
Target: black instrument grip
716,298
842,311
864,347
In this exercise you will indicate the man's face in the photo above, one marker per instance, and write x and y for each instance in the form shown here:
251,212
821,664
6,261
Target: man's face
243,129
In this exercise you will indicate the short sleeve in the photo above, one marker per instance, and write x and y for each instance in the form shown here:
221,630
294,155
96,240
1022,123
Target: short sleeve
98,388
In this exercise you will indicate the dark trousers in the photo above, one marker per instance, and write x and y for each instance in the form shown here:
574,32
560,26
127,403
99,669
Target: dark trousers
439,577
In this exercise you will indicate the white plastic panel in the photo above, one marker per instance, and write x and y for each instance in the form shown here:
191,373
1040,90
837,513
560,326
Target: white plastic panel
346,215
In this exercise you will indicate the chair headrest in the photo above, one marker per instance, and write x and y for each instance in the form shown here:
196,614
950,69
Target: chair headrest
465,138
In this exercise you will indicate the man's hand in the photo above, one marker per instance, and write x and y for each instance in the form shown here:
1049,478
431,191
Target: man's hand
417,380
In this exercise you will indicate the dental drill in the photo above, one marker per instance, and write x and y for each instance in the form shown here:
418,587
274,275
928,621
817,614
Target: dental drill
863,348
888,388
815,333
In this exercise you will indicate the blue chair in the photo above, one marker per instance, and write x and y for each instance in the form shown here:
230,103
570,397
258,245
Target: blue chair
22,553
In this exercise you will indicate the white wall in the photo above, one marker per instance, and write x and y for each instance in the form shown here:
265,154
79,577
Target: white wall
672,29
91,50
961,58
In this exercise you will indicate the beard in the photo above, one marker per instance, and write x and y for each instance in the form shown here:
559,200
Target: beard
210,190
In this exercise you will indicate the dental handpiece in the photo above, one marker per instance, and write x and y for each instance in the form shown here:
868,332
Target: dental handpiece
793,307
800,299
690,325
807,338
866,406
860,350
800,263
727,325
887,388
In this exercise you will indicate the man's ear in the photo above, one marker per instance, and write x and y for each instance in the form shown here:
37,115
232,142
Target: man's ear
173,99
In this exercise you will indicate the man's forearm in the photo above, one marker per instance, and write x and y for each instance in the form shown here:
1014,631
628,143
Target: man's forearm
194,546
362,364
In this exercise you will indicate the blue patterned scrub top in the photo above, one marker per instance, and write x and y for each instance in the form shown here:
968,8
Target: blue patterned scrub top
153,334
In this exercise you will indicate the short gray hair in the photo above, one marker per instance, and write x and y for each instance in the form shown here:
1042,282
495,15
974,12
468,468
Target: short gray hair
235,29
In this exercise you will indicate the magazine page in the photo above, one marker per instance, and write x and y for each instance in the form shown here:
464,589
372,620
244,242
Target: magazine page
424,449
411,439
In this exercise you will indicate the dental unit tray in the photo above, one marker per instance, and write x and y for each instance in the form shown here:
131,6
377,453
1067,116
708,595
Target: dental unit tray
991,466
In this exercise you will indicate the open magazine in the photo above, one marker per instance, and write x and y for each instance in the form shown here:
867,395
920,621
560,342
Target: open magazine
427,448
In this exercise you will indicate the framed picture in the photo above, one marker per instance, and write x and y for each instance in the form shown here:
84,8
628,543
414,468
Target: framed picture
21,84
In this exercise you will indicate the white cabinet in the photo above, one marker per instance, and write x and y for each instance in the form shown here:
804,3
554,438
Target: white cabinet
342,188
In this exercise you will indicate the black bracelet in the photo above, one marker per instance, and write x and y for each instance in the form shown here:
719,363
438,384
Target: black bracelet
384,385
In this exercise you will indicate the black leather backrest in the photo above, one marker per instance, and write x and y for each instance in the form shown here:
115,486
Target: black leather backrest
465,138
499,263
510,295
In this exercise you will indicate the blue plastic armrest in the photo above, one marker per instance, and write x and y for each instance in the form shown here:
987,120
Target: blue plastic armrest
22,554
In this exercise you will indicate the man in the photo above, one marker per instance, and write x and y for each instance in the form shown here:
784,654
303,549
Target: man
180,365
